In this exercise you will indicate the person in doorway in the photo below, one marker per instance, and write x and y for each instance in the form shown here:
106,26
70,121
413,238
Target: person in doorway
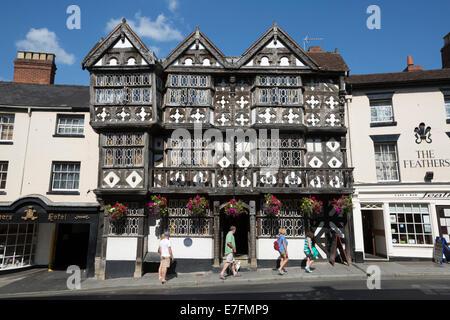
282,245
165,252
230,252
310,251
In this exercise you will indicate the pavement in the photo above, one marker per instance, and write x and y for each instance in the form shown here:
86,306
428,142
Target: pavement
37,282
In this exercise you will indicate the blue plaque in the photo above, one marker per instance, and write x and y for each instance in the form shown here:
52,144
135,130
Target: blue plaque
187,242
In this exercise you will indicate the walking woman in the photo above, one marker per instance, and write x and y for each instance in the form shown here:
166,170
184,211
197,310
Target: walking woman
282,244
310,251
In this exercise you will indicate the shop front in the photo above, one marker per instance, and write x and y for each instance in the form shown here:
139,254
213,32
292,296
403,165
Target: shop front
396,225
35,232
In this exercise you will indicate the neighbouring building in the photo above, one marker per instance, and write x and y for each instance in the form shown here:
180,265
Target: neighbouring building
163,127
48,170
399,138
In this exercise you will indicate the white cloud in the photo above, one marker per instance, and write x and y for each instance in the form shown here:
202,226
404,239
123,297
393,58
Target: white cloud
173,4
159,30
44,40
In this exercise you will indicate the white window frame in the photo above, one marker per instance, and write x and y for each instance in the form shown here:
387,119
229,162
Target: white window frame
65,172
384,104
384,164
400,209
447,108
74,128
3,174
7,126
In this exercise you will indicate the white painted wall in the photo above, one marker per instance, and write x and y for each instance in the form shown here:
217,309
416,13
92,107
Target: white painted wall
44,242
120,248
265,250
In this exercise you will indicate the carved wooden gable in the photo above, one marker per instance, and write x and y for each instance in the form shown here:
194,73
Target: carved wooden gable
122,48
196,51
275,49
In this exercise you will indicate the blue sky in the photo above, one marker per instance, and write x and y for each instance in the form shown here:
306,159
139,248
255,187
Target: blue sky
407,28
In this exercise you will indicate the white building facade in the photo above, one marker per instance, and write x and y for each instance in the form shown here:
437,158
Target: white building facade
399,137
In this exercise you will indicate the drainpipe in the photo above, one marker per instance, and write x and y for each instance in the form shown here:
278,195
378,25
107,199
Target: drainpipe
26,150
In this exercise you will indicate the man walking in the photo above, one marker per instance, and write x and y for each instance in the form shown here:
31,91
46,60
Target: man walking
230,251
165,251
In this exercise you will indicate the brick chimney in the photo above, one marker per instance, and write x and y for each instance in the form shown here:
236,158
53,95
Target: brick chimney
445,52
34,67
315,49
411,66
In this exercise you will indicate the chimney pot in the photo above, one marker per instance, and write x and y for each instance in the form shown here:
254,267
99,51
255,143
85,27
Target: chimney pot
411,66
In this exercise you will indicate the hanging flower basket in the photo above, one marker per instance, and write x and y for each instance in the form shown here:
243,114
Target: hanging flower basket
116,213
234,208
158,205
311,207
198,206
343,205
272,205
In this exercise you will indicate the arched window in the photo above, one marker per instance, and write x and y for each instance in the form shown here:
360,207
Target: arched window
284,61
112,62
188,62
131,61
265,61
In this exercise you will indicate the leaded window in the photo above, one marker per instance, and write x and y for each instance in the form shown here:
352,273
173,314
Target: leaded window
65,176
69,124
282,152
124,150
291,218
386,162
181,223
410,224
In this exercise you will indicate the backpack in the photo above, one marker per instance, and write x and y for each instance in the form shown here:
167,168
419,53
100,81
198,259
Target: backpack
276,245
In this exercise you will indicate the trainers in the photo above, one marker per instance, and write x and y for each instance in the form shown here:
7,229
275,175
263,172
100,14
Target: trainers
280,272
308,270
222,277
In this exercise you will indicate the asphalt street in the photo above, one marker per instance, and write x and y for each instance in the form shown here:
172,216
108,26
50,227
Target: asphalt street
409,289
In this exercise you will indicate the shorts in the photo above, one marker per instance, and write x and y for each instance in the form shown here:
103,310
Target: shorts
230,258
282,253
165,262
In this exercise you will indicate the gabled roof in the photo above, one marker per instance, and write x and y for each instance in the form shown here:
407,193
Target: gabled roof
120,31
13,94
193,38
279,34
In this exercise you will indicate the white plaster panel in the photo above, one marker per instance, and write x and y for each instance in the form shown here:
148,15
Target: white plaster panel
265,250
121,248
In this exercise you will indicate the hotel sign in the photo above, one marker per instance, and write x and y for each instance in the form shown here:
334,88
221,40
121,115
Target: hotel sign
426,159
424,195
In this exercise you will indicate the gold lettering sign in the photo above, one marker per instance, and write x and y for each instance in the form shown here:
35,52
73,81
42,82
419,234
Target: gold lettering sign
29,214
82,217
57,216
6,217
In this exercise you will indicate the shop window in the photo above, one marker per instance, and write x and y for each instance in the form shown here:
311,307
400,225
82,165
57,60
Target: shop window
17,245
410,224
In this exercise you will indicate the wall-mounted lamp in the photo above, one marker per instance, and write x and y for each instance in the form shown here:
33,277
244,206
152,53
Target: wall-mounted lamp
429,176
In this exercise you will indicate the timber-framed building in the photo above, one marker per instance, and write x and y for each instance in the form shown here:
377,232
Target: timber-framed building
202,123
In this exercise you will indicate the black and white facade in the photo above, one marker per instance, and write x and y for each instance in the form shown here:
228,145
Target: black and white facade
200,122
